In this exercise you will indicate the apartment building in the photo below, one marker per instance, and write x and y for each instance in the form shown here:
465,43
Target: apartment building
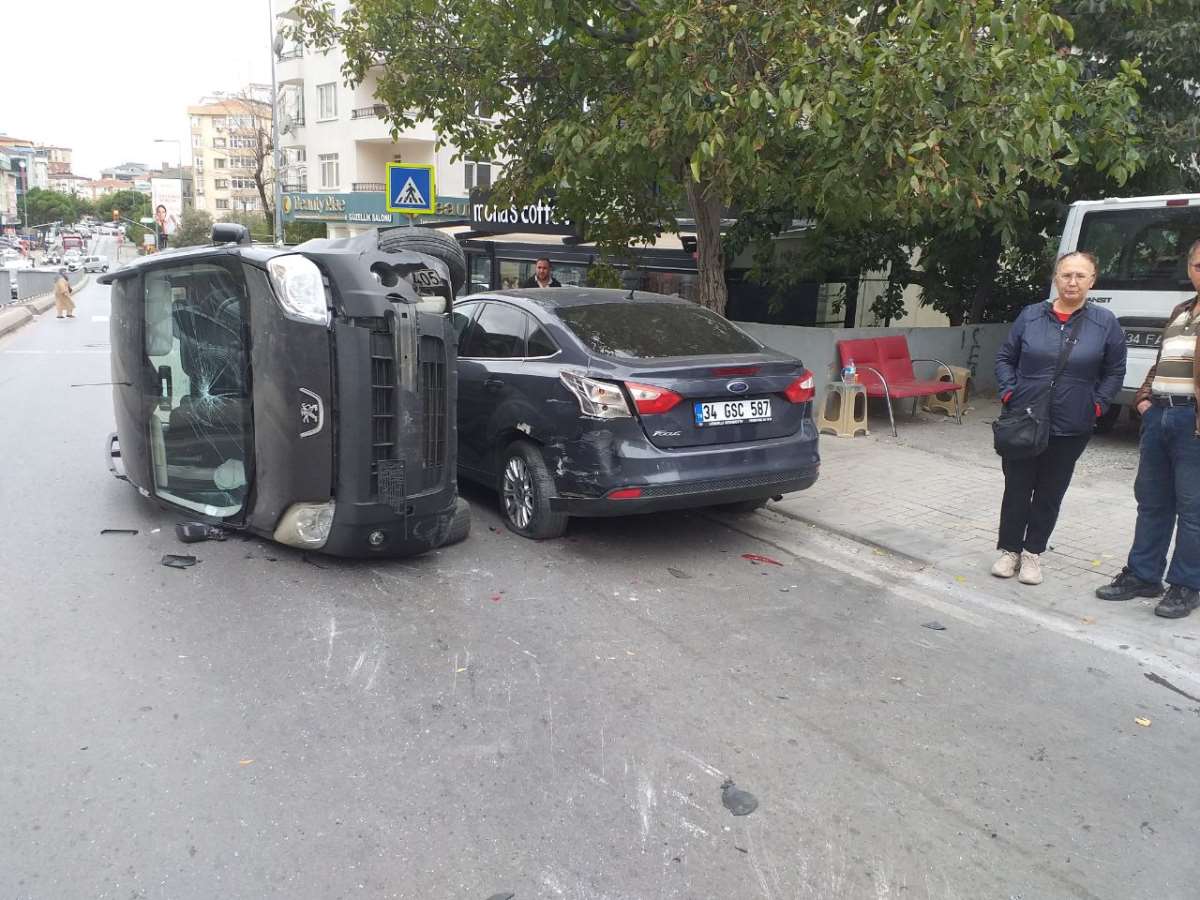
231,139
336,145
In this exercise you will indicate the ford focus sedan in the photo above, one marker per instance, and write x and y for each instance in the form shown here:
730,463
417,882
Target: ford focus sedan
593,402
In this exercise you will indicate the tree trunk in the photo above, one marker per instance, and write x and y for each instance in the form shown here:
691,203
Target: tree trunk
990,248
710,253
850,320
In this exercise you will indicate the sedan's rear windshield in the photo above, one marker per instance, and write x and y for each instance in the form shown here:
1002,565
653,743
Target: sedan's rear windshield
655,330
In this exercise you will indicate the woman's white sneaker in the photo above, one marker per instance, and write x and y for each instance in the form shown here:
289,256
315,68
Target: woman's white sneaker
1031,569
1006,566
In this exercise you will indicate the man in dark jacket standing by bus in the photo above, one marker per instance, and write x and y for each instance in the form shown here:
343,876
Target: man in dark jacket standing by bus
1168,479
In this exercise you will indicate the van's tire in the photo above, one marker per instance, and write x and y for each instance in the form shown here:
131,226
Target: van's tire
460,526
431,242
526,487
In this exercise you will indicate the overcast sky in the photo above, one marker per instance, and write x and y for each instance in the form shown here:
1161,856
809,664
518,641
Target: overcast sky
62,85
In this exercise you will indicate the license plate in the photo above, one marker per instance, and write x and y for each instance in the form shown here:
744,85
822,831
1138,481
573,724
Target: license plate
1138,338
732,412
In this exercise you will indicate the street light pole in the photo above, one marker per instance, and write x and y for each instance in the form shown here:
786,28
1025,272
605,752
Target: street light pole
24,166
276,154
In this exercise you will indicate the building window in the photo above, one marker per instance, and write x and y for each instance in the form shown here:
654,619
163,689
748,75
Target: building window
221,184
222,204
327,101
243,184
219,143
218,163
477,175
330,176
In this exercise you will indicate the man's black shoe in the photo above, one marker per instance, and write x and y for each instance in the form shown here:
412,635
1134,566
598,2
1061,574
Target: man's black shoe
1126,586
1178,602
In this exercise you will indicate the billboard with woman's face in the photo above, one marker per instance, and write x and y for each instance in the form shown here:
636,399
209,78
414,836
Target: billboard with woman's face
166,196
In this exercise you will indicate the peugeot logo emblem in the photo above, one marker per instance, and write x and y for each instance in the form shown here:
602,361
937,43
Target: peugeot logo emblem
737,387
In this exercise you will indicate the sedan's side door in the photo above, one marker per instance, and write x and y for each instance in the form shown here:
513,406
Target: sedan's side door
489,362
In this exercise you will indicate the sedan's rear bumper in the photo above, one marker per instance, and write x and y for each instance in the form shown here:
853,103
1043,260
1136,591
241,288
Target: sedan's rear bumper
615,458
689,494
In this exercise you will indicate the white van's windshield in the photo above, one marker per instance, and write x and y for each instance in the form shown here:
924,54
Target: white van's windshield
1141,249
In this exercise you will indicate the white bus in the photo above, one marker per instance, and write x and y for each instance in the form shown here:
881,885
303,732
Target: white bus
1141,243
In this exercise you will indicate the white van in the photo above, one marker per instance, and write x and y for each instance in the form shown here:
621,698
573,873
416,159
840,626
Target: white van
1141,243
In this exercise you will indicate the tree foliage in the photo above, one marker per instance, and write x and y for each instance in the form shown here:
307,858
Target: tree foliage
195,229
628,110
51,206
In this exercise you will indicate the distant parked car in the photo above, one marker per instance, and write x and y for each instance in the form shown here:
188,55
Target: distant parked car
72,259
591,402
95,264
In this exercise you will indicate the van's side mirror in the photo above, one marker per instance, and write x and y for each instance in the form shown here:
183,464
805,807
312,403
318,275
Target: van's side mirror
230,233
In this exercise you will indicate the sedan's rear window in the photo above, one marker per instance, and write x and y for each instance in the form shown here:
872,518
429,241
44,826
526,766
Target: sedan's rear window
655,330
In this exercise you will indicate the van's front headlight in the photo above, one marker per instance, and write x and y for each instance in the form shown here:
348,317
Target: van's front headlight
306,525
299,287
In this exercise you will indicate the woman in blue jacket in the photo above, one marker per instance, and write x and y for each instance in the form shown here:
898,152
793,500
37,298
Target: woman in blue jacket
1095,369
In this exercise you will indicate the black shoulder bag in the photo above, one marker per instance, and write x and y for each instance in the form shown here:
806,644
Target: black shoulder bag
1024,433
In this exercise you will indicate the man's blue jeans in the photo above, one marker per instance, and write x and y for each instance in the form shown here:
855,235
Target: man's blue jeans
1168,489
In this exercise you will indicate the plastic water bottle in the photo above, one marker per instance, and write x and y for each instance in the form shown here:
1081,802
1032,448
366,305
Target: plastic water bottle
849,373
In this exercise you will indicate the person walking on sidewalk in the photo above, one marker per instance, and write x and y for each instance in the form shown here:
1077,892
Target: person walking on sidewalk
1167,487
1025,366
63,303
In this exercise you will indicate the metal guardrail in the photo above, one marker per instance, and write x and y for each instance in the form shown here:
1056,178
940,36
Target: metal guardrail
369,186
369,112
295,53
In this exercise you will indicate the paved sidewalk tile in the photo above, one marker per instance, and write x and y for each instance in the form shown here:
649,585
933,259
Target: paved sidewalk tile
933,495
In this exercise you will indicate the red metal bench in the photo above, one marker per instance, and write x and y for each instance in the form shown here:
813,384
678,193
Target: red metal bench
885,370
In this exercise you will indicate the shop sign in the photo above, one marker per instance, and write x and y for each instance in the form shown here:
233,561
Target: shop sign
535,218
364,208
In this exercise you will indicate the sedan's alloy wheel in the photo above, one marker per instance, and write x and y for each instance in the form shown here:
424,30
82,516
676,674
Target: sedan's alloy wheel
518,492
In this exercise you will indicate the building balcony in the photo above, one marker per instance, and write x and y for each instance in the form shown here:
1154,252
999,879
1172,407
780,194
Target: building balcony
376,111
297,188
292,53
371,187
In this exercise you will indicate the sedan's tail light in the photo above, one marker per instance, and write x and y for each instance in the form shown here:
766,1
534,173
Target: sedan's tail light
599,399
625,494
650,400
802,389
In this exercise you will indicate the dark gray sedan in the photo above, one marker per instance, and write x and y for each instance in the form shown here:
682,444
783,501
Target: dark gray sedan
591,402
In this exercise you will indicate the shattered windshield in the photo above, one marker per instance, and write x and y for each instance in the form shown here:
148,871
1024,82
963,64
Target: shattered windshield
200,418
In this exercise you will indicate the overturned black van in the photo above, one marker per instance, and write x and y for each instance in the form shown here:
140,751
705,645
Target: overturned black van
305,394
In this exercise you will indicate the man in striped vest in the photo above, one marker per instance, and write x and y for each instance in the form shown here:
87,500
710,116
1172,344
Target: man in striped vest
1168,478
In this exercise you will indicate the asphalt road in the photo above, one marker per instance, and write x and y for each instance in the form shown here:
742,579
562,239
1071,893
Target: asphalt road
551,720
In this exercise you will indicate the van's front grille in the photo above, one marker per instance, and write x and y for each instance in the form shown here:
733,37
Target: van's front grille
383,401
432,357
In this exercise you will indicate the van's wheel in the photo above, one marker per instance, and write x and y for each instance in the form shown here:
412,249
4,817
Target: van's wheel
431,242
1107,422
460,525
526,487
743,506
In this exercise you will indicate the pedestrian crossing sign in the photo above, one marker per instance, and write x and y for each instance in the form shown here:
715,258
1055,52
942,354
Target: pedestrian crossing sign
411,189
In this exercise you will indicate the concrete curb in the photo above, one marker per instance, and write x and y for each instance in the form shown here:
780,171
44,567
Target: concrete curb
17,315
850,536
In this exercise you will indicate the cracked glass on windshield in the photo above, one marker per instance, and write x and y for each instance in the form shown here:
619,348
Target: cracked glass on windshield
200,419
655,330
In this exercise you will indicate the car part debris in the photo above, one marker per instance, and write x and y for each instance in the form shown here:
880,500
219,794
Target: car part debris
175,561
118,531
194,532
759,558
737,801
934,626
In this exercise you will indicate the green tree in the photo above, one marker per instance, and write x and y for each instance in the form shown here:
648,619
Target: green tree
298,232
132,206
629,110
195,229
50,206
256,223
